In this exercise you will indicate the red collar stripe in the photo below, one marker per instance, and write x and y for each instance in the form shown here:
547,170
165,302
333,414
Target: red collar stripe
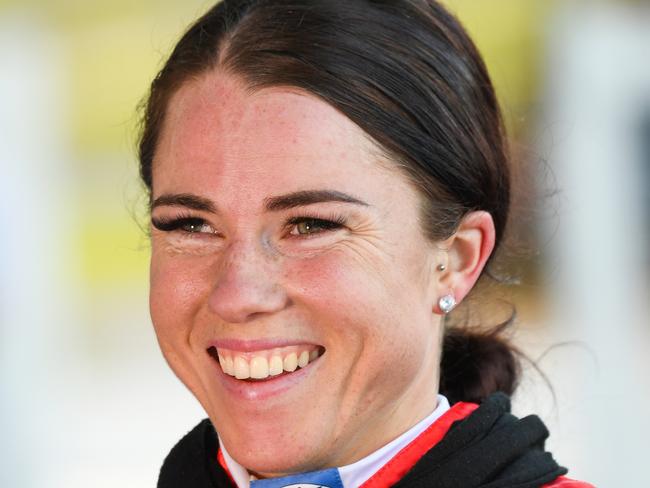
224,465
395,469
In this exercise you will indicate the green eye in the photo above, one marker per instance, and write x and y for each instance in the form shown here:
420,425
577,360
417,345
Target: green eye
309,226
194,225
306,227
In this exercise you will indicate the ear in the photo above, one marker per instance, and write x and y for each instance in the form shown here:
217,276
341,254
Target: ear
467,252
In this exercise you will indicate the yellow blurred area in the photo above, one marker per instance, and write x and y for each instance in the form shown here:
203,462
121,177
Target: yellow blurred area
509,34
112,51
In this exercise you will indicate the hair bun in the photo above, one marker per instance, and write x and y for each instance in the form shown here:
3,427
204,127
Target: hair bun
477,364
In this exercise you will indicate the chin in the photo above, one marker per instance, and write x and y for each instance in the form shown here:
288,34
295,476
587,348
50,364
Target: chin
273,457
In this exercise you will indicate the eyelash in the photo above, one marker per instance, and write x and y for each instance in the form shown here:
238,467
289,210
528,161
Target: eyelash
327,224
176,224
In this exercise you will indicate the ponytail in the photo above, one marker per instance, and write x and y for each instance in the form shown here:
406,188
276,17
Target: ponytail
476,364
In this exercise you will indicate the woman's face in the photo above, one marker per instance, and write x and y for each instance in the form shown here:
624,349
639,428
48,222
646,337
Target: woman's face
284,248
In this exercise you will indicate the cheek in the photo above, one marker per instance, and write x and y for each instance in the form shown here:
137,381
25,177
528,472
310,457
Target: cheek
177,287
361,284
372,312
335,287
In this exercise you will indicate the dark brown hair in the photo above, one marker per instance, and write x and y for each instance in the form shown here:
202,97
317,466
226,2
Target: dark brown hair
407,73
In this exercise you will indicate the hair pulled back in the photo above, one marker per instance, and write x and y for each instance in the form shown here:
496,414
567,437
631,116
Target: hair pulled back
407,73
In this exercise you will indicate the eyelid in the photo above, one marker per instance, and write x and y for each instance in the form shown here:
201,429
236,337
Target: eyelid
339,220
177,222
330,223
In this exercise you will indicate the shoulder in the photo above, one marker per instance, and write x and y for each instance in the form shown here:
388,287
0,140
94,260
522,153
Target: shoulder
192,462
564,482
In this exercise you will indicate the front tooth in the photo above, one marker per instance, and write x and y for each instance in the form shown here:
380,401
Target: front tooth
303,360
290,362
242,370
259,368
275,365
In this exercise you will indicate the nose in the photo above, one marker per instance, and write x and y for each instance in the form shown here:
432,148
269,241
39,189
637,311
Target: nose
247,284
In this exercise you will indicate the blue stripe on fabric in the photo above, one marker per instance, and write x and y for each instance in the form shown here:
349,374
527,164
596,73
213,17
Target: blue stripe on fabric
328,478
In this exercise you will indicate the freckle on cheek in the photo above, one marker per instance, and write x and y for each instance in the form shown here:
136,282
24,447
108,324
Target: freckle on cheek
317,272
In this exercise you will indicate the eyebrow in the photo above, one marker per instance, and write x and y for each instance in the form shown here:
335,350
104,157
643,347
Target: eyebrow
302,198
187,200
273,204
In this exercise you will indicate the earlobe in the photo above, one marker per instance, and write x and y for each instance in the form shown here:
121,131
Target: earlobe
467,252
447,303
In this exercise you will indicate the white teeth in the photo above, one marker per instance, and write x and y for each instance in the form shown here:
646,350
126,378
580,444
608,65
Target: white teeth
275,366
303,359
226,364
242,370
290,362
259,368
262,364
230,366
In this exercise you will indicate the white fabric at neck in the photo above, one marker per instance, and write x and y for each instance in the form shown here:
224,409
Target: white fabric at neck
354,475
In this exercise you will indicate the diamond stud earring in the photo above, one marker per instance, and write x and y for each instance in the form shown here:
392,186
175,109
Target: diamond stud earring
442,267
447,303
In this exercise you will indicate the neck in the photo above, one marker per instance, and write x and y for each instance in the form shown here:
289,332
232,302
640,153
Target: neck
356,473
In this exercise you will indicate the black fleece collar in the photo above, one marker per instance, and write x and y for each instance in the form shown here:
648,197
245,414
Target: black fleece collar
489,449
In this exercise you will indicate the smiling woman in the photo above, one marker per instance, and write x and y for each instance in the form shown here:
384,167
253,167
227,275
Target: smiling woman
327,180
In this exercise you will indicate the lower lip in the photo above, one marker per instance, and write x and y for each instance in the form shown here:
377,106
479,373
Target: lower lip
262,390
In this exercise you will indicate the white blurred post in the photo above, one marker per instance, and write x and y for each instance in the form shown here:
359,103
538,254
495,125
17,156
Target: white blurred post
30,249
599,99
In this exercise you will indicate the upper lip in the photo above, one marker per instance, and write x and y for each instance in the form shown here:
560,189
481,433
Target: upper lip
252,345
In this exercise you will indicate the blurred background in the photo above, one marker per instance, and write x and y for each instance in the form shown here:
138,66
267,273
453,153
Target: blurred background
85,396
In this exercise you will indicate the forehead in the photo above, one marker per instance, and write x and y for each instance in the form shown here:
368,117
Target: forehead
216,127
